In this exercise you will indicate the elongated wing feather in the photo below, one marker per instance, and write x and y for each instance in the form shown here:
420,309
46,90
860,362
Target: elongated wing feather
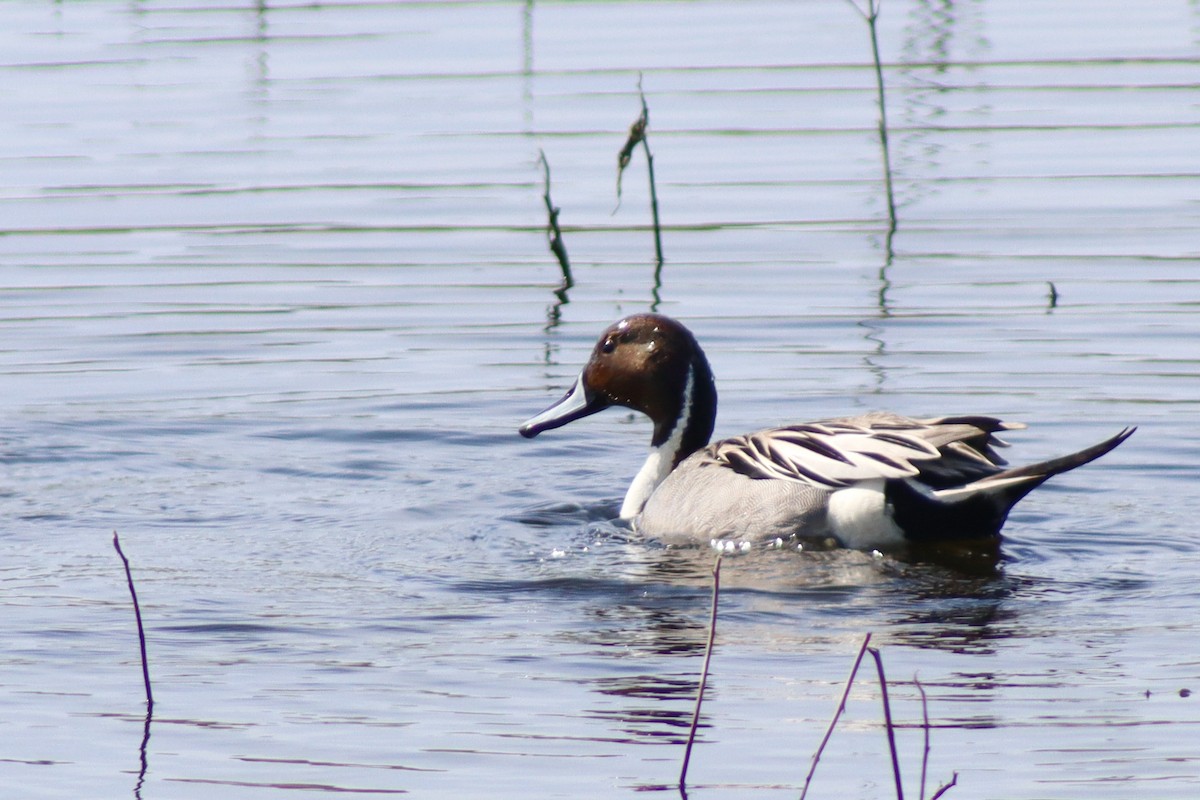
829,456
837,453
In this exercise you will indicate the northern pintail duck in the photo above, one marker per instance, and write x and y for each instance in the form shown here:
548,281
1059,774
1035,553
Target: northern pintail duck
872,481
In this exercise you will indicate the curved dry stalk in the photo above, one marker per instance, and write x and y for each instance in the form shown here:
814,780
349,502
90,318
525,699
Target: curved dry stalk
712,635
637,135
871,17
925,728
946,787
841,708
553,232
137,613
658,251
887,718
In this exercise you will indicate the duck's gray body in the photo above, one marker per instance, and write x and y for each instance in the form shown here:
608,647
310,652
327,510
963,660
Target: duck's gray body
869,481
697,502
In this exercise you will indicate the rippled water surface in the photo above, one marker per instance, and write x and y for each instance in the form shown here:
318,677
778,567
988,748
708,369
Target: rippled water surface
275,293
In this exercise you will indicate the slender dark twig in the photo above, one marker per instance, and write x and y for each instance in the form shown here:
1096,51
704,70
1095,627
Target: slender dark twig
555,239
883,122
925,727
841,708
658,251
712,635
942,790
871,16
553,232
143,759
887,718
637,135
137,612
925,760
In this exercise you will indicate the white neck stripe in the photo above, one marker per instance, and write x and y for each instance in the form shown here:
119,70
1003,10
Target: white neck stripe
661,460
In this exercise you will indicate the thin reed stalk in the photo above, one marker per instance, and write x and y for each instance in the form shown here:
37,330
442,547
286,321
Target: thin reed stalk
925,728
841,708
712,635
144,763
871,17
553,231
887,718
658,249
945,787
637,135
137,613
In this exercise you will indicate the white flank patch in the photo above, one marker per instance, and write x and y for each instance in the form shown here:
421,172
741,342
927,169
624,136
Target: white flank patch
660,462
861,518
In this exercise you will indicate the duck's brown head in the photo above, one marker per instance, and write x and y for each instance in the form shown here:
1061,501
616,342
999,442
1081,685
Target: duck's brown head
649,363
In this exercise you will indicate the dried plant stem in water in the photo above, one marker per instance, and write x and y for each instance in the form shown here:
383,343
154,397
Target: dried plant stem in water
841,708
925,728
637,135
925,757
137,612
887,718
712,635
946,787
553,232
871,16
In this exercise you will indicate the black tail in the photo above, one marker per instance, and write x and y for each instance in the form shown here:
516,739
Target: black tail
1042,471
977,510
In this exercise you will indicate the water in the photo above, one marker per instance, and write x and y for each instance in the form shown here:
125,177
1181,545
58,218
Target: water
276,295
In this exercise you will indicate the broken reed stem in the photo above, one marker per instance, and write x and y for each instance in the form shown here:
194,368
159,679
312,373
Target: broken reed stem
637,132
946,787
553,232
658,252
891,730
841,708
637,135
883,123
887,718
712,635
137,613
925,728
871,16
143,759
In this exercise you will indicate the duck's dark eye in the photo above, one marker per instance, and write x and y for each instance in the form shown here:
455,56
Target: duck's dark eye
608,346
